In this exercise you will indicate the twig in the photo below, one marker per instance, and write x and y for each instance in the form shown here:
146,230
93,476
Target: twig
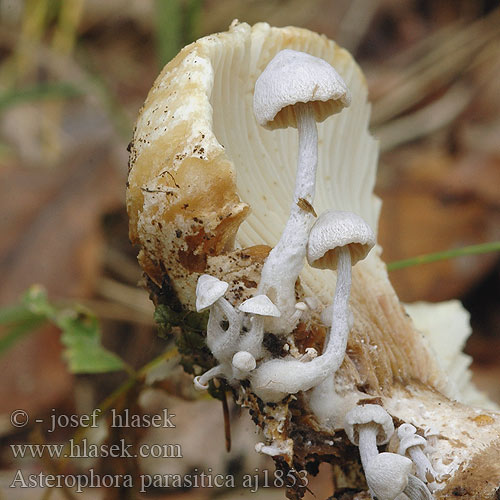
355,23
441,65
426,120
122,265
132,297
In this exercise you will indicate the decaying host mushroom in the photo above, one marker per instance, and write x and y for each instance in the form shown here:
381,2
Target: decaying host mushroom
199,162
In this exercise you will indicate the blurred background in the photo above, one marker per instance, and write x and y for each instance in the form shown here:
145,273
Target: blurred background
73,76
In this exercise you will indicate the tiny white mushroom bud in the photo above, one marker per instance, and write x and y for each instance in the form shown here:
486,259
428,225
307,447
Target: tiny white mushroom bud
244,361
201,382
198,385
309,354
272,450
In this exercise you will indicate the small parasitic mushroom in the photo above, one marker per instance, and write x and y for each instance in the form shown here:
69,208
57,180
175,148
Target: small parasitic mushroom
222,342
201,381
367,426
309,354
411,444
210,294
259,307
337,240
386,473
295,89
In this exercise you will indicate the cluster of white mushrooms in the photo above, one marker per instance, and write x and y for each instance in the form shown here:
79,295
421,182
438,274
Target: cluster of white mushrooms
297,89
389,475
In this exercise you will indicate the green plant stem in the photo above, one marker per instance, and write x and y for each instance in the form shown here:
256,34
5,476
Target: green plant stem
19,331
169,16
493,246
136,377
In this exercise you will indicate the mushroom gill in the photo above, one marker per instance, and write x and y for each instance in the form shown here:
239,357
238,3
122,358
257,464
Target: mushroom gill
209,192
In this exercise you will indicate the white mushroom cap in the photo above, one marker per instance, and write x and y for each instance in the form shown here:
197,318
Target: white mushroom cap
293,77
260,305
334,229
406,430
409,441
368,414
244,361
208,291
387,475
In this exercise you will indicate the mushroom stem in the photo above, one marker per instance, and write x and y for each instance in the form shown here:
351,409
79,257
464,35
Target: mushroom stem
425,471
223,343
339,331
285,261
368,443
229,311
277,377
252,341
305,182
201,382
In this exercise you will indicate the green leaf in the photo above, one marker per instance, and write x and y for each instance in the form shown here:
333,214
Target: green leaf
493,246
82,338
81,335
